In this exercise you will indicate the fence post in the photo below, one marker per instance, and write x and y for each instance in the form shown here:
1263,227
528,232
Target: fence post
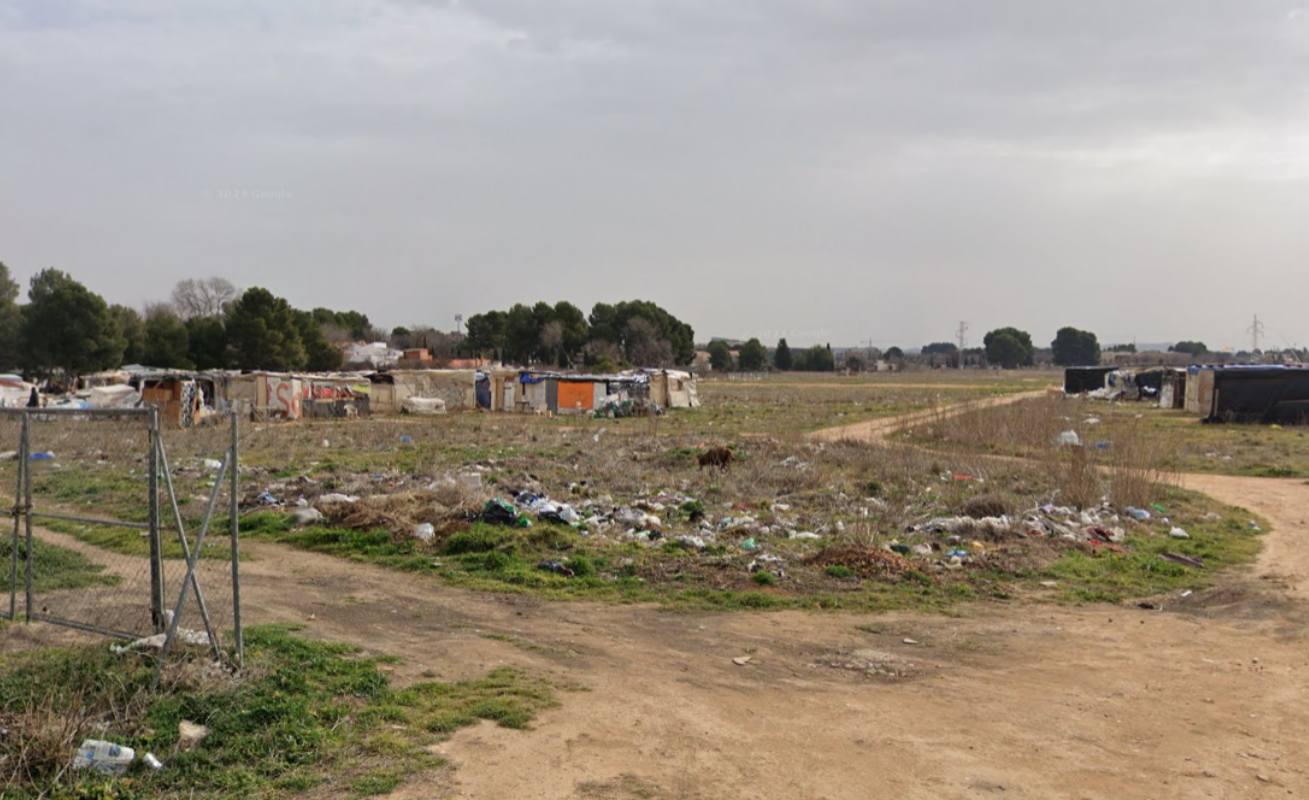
18,511
156,542
233,503
26,467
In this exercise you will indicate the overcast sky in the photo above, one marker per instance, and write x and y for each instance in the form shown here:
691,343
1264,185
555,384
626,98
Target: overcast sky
827,170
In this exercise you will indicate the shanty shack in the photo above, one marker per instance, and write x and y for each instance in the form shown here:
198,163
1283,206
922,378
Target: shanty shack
178,395
1172,388
1263,394
336,395
263,395
1199,389
1079,380
673,389
14,391
455,388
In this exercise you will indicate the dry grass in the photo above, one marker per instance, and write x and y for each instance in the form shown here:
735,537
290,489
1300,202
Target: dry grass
1128,465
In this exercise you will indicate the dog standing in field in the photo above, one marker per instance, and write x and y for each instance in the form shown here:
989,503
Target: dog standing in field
719,457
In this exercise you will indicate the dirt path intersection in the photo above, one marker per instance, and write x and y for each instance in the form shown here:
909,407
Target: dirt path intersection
1206,698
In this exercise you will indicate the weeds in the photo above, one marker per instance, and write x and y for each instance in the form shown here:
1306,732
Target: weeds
304,715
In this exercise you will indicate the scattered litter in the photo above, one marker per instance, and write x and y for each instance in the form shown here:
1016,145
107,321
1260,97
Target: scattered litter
104,757
47,455
1049,584
332,498
424,532
1068,439
190,734
151,761
803,535
1138,514
741,661
1178,533
557,567
156,642
907,640
749,544
1187,593
1178,558
307,516
693,542
502,512
213,464
422,406
761,562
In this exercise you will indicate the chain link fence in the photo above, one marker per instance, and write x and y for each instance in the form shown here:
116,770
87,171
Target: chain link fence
121,528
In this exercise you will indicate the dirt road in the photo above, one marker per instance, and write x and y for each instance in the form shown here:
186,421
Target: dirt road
1203,699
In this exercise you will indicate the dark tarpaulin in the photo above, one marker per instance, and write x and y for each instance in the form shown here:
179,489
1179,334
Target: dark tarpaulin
1261,394
483,390
1149,382
1084,379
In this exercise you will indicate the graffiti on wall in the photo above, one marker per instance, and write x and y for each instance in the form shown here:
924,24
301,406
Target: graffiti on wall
284,397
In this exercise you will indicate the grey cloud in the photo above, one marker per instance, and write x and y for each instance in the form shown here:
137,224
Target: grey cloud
840,169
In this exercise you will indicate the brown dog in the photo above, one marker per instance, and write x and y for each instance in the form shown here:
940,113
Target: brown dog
719,457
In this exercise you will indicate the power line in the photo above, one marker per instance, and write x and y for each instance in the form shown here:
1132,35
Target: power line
963,329
1255,330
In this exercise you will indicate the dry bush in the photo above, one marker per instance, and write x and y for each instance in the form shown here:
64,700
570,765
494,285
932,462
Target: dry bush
1129,470
1075,474
1138,463
988,505
446,507
1014,427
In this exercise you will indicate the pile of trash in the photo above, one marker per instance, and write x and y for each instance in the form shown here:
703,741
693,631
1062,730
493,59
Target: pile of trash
618,406
959,540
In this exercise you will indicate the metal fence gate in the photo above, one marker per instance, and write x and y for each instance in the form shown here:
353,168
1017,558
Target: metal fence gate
110,537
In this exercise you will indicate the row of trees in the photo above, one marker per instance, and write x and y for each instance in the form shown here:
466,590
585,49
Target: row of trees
207,324
752,356
1012,348
630,332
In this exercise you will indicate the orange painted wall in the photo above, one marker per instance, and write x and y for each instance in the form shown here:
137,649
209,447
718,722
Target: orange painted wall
575,394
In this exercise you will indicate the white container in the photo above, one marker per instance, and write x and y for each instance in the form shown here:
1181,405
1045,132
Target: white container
103,757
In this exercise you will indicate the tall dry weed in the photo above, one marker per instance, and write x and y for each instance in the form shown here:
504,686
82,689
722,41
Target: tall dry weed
1130,469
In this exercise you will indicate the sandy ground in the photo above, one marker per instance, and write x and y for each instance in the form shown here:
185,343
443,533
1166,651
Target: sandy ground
1205,697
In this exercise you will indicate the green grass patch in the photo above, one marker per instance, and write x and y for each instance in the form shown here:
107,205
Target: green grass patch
54,568
304,716
1220,537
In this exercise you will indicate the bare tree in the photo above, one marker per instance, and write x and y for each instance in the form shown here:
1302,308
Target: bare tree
645,348
207,297
552,341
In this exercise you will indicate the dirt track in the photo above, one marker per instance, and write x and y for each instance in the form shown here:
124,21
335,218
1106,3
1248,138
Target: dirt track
1206,698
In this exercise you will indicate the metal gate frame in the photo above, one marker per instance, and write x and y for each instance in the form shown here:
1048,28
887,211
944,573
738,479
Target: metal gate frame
163,620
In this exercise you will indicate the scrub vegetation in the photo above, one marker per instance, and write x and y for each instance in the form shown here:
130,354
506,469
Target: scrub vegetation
304,717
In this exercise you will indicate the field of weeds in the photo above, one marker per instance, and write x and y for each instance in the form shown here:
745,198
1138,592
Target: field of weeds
1180,441
795,402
